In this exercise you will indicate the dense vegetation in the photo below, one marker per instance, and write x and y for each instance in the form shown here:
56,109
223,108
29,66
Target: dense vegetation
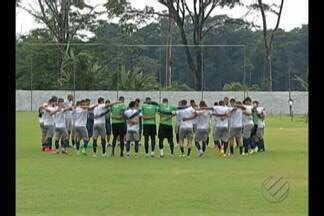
109,66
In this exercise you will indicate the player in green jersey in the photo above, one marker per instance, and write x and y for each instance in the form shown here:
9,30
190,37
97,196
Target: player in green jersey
165,127
118,125
149,111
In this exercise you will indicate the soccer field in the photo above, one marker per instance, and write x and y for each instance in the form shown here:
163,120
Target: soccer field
51,184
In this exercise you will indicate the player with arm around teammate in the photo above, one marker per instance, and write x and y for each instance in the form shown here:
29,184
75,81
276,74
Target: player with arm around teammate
221,131
99,125
81,131
202,130
60,131
41,126
118,125
260,129
133,115
49,111
186,116
166,112
235,130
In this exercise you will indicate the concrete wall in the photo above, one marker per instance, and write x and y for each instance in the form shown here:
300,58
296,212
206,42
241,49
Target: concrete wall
275,102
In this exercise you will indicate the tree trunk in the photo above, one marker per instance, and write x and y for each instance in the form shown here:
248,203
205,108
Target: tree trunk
190,60
199,71
269,71
168,55
60,63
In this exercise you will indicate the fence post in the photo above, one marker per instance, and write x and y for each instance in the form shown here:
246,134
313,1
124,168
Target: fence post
31,83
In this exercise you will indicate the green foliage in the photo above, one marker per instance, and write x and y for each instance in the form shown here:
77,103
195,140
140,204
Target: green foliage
236,86
175,86
221,64
133,80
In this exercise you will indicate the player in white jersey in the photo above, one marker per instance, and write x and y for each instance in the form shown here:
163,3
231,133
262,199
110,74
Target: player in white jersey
260,130
61,132
81,131
226,101
186,116
235,129
221,132
68,118
247,126
177,125
41,125
133,115
99,125
202,121
48,118
75,116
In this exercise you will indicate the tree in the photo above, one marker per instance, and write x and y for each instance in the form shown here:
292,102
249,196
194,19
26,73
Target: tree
64,19
202,10
268,34
180,12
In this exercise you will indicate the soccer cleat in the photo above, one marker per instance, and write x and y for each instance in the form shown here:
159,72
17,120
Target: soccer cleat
161,156
104,155
152,154
78,152
57,151
201,154
84,151
64,152
135,156
94,155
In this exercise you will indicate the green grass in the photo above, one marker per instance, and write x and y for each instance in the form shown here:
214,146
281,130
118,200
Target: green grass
83,185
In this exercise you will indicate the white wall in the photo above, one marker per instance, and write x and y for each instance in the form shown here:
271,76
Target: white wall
275,102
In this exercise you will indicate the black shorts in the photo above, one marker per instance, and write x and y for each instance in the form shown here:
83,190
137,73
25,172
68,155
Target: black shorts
254,129
119,128
89,126
165,131
108,128
149,130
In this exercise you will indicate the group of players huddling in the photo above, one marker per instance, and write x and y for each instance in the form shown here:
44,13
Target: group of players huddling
233,124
